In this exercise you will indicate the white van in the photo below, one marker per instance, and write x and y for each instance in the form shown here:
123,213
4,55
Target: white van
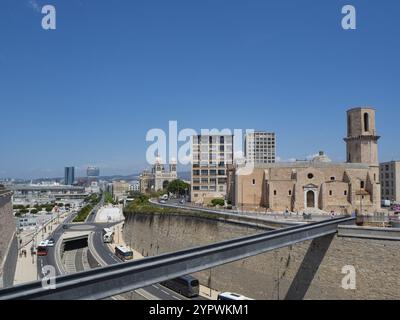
232,296
108,237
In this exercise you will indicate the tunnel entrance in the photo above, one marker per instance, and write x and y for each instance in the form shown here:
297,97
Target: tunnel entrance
75,244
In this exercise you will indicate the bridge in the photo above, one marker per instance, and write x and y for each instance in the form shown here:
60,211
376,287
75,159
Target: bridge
125,277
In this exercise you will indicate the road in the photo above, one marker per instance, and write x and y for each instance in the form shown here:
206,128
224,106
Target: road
76,257
50,259
157,290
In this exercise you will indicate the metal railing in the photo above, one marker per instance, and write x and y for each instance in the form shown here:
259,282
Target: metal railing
125,277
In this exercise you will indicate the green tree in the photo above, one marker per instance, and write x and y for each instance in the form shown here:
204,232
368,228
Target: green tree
178,187
218,202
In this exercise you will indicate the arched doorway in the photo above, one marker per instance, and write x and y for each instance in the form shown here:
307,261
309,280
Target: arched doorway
165,184
310,199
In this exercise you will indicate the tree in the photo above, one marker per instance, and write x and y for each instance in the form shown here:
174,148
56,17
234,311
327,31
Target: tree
218,202
178,187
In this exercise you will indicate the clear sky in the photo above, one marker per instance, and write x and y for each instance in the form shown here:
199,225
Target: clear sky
88,92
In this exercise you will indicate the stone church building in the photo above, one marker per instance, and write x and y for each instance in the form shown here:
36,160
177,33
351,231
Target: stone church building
159,177
319,184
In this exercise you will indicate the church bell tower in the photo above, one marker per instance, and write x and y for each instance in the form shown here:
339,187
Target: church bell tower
362,140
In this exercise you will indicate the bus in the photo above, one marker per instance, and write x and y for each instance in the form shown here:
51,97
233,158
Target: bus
107,230
108,237
187,286
231,296
41,250
123,253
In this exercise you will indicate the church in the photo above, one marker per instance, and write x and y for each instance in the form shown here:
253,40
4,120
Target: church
158,178
318,185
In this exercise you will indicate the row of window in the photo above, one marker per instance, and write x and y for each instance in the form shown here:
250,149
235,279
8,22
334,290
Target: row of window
388,192
386,176
387,167
387,184
207,164
210,181
330,193
209,172
208,188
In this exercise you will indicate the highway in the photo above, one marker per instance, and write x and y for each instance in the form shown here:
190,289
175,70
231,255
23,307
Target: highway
156,291
50,259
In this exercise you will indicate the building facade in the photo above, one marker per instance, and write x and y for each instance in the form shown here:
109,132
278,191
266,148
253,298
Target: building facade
120,189
93,172
260,147
319,185
40,194
159,177
211,156
69,176
390,181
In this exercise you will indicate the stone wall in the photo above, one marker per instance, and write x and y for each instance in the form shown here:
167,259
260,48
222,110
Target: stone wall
310,270
7,227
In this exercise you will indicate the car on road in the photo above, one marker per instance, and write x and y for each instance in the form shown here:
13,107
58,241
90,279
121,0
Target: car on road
163,201
232,296
43,243
182,201
50,242
65,226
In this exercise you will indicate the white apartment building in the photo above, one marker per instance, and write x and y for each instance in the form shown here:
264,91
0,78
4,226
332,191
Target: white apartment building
211,156
260,147
390,180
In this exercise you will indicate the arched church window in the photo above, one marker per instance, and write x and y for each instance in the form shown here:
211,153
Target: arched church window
362,184
366,121
349,125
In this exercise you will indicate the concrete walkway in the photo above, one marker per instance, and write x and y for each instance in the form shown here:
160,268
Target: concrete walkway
26,270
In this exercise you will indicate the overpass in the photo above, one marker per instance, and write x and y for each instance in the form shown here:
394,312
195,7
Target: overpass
125,277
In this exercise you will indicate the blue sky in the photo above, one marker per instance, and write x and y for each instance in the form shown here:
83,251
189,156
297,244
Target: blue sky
88,92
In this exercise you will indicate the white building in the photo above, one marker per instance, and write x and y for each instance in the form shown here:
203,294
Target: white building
212,154
260,147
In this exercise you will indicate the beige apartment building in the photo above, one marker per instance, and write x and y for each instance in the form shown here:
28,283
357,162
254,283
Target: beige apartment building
390,181
318,185
211,156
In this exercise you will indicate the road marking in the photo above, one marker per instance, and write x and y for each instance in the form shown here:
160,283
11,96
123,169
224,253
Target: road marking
154,286
176,298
